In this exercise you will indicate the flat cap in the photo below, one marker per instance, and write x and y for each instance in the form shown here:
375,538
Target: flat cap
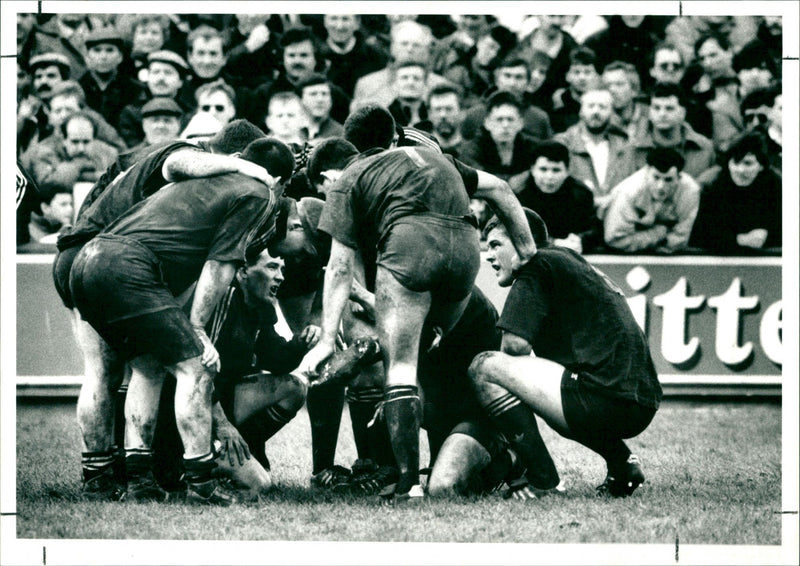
170,58
161,106
108,34
48,59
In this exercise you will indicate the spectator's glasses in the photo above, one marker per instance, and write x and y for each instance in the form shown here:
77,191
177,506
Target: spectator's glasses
216,107
670,66
759,117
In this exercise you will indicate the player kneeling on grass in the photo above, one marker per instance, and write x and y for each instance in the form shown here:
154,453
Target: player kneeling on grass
573,354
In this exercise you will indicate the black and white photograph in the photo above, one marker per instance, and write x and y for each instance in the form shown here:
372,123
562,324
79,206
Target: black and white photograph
405,283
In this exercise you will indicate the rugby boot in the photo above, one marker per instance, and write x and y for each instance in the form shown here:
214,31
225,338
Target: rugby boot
347,364
215,491
374,482
331,478
522,490
624,482
102,486
143,488
389,497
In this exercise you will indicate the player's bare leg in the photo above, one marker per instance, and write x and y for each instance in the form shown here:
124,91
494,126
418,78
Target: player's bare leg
141,416
459,459
512,388
96,412
400,314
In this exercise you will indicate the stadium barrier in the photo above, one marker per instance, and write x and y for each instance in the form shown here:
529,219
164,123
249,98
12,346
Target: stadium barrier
714,324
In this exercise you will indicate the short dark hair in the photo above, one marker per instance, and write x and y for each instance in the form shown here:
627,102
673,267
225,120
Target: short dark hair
552,150
753,56
720,40
298,34
748,143
501,98
444,89
512,61
760,97
235,136
313,79
582,55
666,90
333,153
370,126
273,155
541,236
665,158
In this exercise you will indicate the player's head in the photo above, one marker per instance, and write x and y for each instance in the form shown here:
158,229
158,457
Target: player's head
234,137
302,234
273,155
260,278
501,251
370,126
328,160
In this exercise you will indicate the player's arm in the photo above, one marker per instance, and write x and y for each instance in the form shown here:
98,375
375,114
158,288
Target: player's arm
514,345
336,292
507,207
214,280
190,163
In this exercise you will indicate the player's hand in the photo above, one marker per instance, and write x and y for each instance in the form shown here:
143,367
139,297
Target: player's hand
314,358
311,335
523,494
752,239
210,356
234,446
257,38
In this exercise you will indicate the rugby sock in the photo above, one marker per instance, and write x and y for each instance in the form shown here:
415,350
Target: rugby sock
138,462
199,469
119,432
324,404
97,463
518,424
402,411
362,403
262,426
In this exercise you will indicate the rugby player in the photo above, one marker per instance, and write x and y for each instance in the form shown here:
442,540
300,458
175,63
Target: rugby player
406,212
125,282
591,379
144,174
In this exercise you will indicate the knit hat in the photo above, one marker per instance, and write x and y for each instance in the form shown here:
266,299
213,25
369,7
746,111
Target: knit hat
48,59
170,58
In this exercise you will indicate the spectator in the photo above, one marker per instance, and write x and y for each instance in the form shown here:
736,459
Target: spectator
622,81
654,209
770,33
684,31
667,127
500,148
301,59
57,213
763,114
74,155
754,68
473,70
550,38
668,64
166,72
108,90
315,94
409,41
205,53
460,45
161,122
349,55
629,38
63,34
600,153
47,71
149,33
285,118
582,75
201,127
444,112
218,99
741,205
565,204
511,75
255,54
408,87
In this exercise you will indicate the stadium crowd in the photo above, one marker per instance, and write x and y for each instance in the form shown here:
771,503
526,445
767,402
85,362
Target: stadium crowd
144,143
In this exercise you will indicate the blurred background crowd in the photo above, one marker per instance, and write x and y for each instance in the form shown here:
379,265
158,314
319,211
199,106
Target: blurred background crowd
628,134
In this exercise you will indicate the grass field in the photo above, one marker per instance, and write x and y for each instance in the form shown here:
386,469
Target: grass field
714,477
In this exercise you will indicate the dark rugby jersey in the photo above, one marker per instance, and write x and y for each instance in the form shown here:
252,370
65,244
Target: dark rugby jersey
572,314
189,222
